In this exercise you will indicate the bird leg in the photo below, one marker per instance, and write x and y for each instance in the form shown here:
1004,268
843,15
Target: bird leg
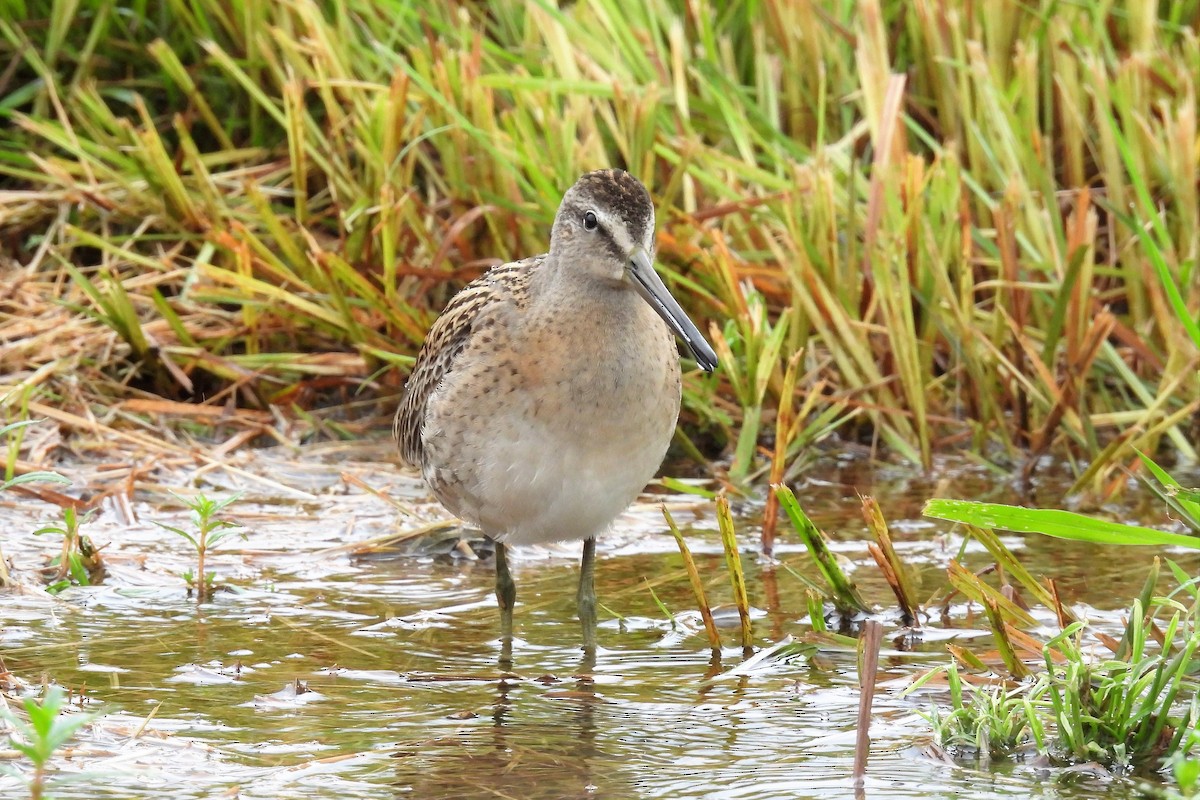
587,594
506,593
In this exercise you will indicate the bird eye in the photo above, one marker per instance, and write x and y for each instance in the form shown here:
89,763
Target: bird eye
589,220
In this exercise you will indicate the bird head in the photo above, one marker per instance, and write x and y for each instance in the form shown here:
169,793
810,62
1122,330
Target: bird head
605,227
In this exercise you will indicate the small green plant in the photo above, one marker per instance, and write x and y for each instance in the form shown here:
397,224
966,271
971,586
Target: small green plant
79,562
1136,710
48,729
1122,711
1139,707
991,723
210,534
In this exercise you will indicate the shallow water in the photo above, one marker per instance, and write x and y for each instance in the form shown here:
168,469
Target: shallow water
320,673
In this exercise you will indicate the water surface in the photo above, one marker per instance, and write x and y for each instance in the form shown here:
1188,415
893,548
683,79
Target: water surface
319,672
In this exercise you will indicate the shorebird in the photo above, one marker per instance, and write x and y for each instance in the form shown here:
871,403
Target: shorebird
545,395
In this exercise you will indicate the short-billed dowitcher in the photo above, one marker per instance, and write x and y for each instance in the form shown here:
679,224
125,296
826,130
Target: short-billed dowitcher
546,393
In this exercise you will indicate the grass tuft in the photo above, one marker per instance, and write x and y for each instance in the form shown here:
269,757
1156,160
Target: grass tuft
977,222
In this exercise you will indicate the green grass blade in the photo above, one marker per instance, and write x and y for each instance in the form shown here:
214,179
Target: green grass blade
1054,522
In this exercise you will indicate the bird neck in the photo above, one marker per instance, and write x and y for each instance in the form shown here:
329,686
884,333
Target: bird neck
580,284
591,307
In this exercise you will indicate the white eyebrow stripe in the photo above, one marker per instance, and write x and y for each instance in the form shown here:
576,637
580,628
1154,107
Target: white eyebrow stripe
616,228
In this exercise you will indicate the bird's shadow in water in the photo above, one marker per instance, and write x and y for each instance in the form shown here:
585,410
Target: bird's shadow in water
542,742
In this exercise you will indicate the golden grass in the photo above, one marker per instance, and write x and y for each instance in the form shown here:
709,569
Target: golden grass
977,220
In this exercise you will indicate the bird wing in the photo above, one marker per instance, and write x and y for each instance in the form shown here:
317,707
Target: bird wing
447,339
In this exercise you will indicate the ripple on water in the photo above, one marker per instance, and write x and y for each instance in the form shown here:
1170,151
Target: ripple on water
324,675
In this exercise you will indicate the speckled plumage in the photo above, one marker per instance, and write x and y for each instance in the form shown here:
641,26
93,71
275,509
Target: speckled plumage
448,338
546,393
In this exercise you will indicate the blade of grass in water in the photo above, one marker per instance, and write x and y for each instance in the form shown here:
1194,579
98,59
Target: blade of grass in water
1054,522
845,595
889,563
733,561
710,627
1013,566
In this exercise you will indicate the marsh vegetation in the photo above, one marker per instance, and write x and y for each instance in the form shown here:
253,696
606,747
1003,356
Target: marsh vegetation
944,251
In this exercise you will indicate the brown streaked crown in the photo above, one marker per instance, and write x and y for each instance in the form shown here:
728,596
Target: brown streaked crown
620,193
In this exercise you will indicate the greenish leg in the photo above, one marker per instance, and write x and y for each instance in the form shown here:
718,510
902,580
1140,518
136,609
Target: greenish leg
506,593
587,595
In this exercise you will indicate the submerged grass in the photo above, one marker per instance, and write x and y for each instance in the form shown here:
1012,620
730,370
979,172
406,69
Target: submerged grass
977,222
710,627
1132,706
1137,711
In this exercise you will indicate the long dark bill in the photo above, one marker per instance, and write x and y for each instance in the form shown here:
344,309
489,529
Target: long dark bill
655,292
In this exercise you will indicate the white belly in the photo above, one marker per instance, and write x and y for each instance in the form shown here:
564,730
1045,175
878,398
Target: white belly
539,486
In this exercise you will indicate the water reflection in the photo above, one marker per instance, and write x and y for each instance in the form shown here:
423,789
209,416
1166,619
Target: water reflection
523,748
417,698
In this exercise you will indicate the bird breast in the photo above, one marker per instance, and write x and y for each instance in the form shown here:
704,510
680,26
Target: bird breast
554,425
